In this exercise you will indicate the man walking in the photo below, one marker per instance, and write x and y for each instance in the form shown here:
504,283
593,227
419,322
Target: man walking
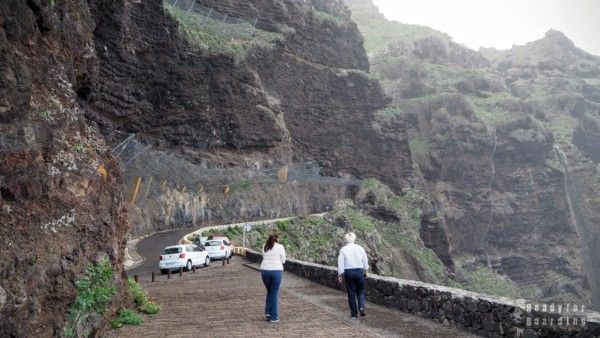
352,268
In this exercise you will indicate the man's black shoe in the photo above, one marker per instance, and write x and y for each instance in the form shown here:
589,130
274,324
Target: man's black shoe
362,312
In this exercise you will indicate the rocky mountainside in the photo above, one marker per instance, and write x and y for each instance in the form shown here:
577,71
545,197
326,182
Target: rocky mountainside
295,91
60,186
502,141
486,161
78,76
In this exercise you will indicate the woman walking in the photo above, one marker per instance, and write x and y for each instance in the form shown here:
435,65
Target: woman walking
271,270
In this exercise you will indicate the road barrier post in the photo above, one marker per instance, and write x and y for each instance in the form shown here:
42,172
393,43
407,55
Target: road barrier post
152,276
223,262
193,269
180,272
135,278
169,274
227,260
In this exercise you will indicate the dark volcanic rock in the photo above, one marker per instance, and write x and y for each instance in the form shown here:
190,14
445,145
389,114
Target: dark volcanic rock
587,136
58,213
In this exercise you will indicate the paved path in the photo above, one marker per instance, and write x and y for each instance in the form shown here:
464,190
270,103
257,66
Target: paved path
228,301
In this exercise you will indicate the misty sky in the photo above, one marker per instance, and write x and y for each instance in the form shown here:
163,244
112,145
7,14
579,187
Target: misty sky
502,23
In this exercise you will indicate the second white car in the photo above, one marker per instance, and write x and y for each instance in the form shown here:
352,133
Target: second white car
219,247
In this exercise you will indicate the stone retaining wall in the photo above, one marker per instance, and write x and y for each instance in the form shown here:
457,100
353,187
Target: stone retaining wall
478,313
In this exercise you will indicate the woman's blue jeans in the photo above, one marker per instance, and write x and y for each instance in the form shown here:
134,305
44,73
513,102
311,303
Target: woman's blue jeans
272,281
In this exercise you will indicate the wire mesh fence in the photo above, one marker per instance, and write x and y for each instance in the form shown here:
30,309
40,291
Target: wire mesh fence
178,190
211,21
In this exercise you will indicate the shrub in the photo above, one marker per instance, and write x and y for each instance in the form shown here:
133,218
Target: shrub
139,295
283,226
150,308
141,299
126,317
94,294
79,148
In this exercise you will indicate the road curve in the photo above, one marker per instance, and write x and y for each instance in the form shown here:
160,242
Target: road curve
151,247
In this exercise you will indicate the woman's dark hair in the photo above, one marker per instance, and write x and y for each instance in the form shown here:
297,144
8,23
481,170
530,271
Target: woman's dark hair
270,242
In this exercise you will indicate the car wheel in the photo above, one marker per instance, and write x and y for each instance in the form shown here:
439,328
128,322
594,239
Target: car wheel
188,266
207,261
163,271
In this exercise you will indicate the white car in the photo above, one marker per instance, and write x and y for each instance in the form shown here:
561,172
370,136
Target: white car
183,256
219,247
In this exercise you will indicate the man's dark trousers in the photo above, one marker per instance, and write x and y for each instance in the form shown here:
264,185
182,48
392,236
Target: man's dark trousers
355,285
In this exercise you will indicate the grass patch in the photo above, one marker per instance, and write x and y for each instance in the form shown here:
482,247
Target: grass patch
484,280
359,222
94,294
489,111
324,16
562,128
371,183
230,232
217,37
407,208
244,185
419,146
426,258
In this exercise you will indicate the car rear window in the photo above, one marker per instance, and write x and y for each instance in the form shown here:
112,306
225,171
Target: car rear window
213,243
169,251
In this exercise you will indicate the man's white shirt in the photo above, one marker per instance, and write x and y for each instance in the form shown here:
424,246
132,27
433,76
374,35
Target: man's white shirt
352,256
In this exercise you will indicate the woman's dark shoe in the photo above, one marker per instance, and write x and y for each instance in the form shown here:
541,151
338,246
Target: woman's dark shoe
362,312
268,317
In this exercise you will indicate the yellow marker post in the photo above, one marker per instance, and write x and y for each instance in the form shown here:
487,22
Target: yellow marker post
148,187
226,190
282,174
136,190
164,184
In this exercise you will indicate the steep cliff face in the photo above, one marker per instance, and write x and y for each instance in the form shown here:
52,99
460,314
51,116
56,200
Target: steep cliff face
59,185
297,90
484,149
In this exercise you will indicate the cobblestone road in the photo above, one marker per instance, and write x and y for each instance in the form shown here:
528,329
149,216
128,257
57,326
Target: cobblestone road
228,301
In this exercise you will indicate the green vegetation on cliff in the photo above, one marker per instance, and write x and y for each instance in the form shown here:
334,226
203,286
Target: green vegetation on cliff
216,36
95,291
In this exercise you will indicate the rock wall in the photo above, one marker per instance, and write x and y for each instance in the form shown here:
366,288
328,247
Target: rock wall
60,187
477,313
305,97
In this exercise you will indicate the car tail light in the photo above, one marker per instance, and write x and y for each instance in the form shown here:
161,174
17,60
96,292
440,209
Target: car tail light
182,255
222,247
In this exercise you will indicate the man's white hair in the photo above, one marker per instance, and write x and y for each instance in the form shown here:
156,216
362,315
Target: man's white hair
350,237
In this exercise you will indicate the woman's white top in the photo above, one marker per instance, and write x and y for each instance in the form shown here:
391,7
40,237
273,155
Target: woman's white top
274,258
